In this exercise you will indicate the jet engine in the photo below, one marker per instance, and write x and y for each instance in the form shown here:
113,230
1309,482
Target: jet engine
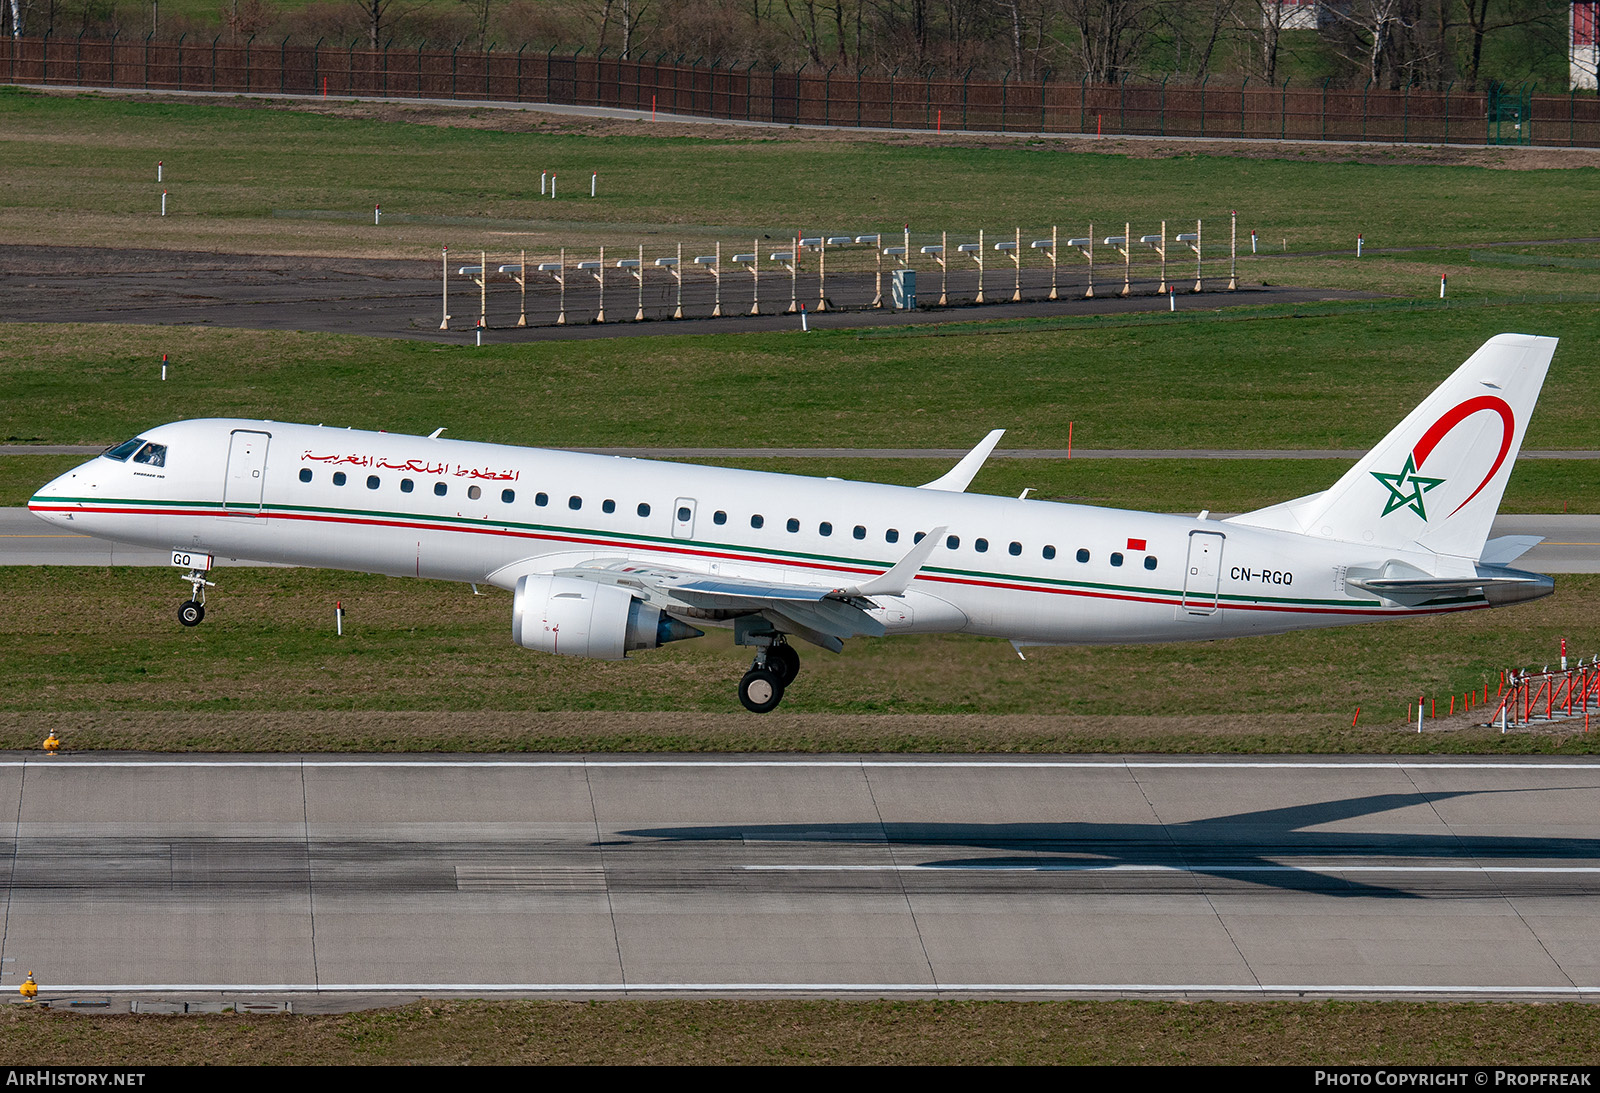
582,618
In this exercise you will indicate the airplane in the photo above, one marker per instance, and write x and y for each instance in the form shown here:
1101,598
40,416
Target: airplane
607,555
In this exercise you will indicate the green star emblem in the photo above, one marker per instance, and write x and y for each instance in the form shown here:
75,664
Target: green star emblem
1406,488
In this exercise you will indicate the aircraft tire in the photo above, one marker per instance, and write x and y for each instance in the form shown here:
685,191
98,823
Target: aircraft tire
190,612
783,662
760,690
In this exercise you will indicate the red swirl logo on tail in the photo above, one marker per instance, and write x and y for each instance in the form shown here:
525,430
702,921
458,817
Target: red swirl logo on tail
1407,487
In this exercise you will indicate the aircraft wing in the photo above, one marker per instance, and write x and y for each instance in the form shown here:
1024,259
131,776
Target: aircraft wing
822,614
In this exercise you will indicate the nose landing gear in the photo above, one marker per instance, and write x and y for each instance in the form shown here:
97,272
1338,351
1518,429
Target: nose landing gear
192,610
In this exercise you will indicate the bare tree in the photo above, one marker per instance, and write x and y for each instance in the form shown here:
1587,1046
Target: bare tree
1109,35
1486,17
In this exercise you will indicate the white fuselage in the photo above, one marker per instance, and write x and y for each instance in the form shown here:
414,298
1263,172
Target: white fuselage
1030,571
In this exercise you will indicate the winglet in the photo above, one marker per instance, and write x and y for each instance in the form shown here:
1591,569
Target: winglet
895,580
959,477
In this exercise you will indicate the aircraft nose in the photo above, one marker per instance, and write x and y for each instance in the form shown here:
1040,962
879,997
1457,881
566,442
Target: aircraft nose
55,500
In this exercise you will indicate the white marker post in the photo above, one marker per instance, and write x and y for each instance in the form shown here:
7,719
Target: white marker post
1049,248
558,270
594,180
164,380
338,617
1358,246
552,185
752,262
544,178
163,203
1252,240
1441,285
715,265
444,260
1085,245
877,295
1233,252
377,211
158,170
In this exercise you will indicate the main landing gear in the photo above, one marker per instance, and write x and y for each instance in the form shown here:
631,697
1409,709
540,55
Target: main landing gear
192,610
774,668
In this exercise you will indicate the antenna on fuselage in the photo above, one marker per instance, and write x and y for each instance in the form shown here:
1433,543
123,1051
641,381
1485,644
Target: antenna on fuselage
435,434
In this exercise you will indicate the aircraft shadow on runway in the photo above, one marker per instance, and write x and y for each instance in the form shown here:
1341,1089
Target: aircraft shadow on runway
1267,847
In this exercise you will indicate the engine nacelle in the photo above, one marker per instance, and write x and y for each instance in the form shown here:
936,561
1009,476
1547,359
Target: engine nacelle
580,618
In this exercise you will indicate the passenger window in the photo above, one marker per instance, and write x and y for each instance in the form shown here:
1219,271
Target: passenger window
757,521
1116,558
1149,561
574,502
644,509
372,482
338,478
305,474
440,489
1049,553
719,517
981,545
508,496
893,536
793,525
608,506
406,485
825,528
1083,555
952,541
541,499
474,492
684,514
1016,550
859,532
154,455
917,538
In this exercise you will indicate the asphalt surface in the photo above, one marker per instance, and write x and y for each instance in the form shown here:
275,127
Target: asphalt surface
1572,544
346,881
403,299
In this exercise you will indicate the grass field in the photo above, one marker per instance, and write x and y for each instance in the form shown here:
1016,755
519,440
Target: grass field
666,1033
428,665
82,169
1338,380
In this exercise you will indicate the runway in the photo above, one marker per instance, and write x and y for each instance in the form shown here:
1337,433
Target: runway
338,880
1572,544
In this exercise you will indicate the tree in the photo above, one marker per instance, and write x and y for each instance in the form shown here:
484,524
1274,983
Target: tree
1109,35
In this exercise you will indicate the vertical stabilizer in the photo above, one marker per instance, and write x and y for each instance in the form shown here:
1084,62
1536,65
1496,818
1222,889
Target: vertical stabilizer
1435,482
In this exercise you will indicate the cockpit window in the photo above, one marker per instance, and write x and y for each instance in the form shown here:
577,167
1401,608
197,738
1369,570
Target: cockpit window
153,454
122,451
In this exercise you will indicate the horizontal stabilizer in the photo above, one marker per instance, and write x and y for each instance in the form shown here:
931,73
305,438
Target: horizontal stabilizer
1508,548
